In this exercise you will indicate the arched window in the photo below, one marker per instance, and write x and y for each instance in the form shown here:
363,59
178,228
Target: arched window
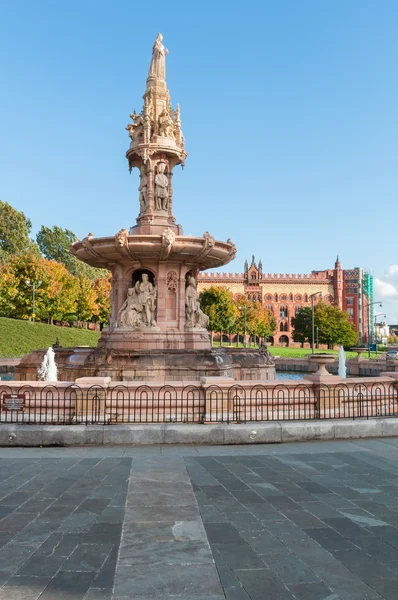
276,298
283,326
253,276
297,308
268,297
305,298
283,312
270,308
290,297
298,298
284,297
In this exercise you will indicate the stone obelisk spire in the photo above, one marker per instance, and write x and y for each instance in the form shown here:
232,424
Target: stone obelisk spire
157,146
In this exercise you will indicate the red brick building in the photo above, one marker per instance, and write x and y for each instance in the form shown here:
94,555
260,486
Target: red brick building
284,294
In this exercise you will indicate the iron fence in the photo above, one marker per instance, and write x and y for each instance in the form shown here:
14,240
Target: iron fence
70,405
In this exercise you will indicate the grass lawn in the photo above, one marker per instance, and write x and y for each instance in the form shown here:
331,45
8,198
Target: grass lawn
21,337
302,352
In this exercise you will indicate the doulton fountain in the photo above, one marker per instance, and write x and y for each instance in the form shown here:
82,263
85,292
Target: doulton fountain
156,328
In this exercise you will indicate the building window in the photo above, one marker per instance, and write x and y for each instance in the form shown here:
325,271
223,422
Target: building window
283,297
276,297
350,301
268,297
283,326
305,298
283,312
298,298
253,276
350,312
291,298
269,307
297,308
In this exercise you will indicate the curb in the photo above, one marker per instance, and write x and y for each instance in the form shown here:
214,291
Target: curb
212,434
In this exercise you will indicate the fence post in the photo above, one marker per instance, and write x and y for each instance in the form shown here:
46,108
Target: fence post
91,403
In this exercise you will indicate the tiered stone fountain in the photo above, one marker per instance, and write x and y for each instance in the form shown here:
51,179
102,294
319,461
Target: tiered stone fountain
156,327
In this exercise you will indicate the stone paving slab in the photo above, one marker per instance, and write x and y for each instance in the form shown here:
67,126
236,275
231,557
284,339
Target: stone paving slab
311,520
59,528
164,551
315,523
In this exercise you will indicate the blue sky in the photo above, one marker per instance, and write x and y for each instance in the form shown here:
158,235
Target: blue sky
289,110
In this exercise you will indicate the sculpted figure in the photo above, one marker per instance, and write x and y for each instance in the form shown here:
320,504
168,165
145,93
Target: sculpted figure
166,125
136,129
146,297
161,188
130,313
195,318
143,189
157,67
122,237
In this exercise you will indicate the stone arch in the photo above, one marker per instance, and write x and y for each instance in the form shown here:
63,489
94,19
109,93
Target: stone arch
284,340
137,274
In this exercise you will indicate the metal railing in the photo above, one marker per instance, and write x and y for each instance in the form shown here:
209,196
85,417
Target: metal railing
120,404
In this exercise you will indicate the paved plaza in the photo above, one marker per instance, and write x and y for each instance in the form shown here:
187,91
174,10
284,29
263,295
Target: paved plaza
308,521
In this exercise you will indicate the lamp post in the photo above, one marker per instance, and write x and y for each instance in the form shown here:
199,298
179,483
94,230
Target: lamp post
368,307
313,319
34,285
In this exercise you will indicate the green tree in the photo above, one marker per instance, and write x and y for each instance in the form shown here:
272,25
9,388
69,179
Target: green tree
14,231
334,326
218,304
54,243
302,324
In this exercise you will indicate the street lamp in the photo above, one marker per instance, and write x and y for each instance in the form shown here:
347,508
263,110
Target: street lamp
244,321
313,319
34,285
368,307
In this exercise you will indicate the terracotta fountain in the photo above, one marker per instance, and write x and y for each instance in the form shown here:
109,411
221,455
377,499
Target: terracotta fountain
156,328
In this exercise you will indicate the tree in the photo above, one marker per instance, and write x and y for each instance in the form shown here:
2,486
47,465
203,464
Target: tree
54,243
58,292
14,231
86,307
259,320
102,288
264,321
302,324
218,304
334,326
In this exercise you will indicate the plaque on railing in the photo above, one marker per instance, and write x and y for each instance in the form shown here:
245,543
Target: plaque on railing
15,402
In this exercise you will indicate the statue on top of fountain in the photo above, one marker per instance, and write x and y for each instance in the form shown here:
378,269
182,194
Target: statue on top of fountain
138,309
157,68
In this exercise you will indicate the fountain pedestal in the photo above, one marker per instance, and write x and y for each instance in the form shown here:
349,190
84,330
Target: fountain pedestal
322,375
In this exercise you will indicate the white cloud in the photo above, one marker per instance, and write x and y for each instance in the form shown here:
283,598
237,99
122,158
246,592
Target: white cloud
392,270
384,289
